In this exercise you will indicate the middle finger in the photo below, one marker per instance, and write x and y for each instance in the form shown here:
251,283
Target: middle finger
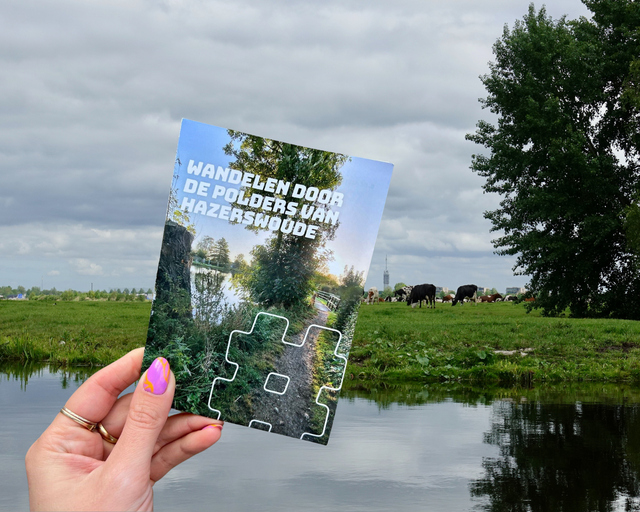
177,425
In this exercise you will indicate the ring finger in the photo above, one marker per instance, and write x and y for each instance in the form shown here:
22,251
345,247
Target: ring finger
113,423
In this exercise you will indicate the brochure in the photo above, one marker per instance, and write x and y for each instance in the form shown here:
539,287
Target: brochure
264,256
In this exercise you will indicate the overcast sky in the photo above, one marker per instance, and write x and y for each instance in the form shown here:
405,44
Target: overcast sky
92,94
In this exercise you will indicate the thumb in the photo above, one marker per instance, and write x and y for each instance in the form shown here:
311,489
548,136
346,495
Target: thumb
148,412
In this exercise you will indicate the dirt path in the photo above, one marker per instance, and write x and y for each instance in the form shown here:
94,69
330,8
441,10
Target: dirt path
289,413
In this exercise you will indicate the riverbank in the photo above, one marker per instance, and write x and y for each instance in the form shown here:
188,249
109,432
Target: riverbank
487,343
497,342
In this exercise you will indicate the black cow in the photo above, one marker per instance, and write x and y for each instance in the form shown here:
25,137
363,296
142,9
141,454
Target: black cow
468,290
420,292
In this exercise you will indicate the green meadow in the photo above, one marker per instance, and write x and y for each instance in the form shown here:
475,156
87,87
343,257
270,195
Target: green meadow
481,343
497,342
71,332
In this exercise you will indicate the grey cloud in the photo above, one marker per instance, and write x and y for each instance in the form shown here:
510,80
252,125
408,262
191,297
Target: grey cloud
92,93
70,253
336,65
85,267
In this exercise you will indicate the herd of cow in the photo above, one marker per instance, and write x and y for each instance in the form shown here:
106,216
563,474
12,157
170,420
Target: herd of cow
414,295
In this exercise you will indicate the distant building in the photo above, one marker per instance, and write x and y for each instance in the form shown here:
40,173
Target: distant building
385,275
443,289
514,290
483,291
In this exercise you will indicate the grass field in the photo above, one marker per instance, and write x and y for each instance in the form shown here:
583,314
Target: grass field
392,342
71,333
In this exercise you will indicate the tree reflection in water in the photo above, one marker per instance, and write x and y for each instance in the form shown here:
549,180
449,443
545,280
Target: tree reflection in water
570,457
22,372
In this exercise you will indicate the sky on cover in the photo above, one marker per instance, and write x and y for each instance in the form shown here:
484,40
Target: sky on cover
92,95
364,186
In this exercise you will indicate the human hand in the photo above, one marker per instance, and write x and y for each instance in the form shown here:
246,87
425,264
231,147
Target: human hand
72,468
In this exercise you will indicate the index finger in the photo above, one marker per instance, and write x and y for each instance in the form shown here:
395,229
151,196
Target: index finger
95,398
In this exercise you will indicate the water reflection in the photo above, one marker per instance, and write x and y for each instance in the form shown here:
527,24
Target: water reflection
568,457
22,372
571,447
212,288
385,394
436,447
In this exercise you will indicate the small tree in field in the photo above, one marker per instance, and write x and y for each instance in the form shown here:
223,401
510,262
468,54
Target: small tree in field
350,291
219,254
351,277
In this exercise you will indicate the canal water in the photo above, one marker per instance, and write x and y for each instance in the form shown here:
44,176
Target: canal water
435,448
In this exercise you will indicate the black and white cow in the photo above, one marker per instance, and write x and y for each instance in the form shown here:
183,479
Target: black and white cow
420,292
403,293
468,290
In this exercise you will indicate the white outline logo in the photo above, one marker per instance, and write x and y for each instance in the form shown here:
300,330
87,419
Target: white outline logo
306,335
271,390
262,422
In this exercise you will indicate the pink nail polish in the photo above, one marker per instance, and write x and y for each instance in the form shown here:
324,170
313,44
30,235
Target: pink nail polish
157,378
213,426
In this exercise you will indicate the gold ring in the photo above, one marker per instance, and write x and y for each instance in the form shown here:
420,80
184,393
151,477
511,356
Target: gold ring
105,435
89,425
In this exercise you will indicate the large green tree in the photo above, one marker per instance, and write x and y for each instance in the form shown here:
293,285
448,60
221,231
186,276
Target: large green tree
564,156
283,268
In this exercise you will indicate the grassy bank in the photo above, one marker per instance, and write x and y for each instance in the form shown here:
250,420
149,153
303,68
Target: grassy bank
88,332
327,372
392,342
396,343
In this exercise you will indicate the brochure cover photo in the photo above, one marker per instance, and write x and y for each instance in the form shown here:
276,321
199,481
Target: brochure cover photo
264,257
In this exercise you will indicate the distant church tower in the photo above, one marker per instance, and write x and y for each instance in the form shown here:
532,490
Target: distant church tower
385,276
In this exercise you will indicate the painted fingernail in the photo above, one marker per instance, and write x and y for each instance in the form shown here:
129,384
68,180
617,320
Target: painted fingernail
157,378
213,426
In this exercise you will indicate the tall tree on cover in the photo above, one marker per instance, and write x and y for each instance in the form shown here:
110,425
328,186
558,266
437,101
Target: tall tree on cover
282,268
564,156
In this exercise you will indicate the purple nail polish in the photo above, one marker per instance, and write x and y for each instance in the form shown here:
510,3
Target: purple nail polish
157,378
